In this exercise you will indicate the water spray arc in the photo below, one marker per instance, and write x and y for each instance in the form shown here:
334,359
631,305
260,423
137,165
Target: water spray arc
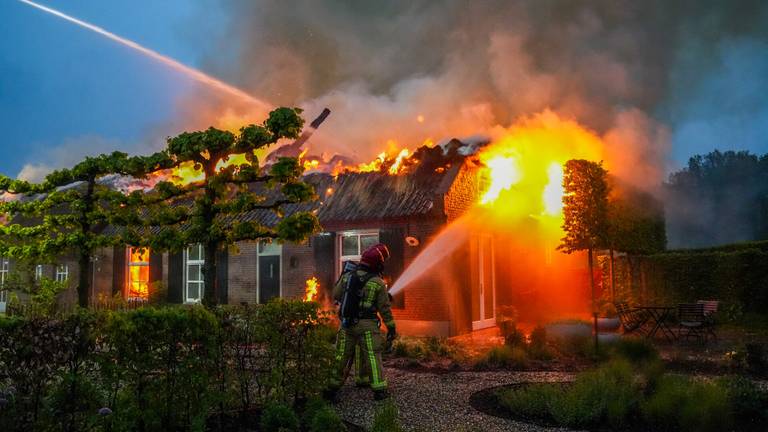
174,64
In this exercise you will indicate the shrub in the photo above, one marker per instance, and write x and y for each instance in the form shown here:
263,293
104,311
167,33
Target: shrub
503,356
635,350
682,404
386,418
278,417
608,394
537,347
326,420
746,400
531,402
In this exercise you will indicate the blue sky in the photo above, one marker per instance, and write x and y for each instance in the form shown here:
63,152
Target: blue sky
60,83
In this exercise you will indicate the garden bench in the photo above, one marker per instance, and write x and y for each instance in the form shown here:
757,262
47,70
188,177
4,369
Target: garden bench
632,320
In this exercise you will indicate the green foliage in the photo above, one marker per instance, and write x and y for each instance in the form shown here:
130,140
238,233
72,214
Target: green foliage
278,417
585,206
738,277
617,397
503,356
679,403
747,401
169,368
386,418
635,221
318,416
636,351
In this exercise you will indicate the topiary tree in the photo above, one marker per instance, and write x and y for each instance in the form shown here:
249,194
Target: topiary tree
172,217
65,213
585,210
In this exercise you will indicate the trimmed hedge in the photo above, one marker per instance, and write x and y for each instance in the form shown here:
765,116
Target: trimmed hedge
171,368
730,274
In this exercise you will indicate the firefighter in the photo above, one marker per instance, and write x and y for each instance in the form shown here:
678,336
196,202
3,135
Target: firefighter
364,304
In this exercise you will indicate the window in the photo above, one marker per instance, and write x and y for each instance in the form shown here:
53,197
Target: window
62,273
38,272
194,283
138,273
352,245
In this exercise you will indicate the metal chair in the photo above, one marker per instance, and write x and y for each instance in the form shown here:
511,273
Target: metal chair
631,320
692,320
710,309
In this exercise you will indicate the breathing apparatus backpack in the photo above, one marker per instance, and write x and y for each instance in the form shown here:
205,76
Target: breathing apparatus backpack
352,299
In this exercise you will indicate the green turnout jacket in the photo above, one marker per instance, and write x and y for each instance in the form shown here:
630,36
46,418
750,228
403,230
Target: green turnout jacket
375,297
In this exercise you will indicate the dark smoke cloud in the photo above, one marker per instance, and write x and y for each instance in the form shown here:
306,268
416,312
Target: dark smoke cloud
630,70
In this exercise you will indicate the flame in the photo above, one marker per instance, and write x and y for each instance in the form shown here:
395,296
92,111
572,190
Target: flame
374,165
138,273
553,191
311,289
523,165
395,168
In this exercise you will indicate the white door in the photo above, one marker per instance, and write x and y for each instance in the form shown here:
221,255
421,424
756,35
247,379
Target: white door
484,310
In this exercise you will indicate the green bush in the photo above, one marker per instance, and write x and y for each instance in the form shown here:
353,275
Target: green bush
326,420
170,368
386,418
679,403
503,356
747,401
635,350
278,417
531,402
607,394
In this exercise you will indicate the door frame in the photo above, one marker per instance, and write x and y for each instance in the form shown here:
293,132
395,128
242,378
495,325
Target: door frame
481,256
259,254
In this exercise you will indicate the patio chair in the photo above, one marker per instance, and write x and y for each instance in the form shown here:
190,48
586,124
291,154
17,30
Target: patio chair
710,309
631,320
692,320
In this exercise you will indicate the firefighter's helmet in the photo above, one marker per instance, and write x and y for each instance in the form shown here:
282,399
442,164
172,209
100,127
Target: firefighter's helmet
375,256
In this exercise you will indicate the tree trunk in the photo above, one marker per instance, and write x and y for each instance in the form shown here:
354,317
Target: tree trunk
591,278
613,278
84,254
83,279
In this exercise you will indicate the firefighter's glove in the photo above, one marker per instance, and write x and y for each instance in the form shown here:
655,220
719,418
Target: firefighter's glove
391,336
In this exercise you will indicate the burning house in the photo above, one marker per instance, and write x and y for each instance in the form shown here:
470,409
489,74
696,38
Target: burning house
455,264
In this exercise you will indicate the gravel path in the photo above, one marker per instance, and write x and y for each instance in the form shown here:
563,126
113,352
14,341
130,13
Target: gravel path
440,402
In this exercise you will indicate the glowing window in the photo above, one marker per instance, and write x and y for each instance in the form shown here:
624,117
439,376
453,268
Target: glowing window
38,272
62,273
4,267
138,273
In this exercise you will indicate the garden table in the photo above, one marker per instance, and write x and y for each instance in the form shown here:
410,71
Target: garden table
660,317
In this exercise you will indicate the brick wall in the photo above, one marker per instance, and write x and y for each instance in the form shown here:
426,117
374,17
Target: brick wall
243,268
463,193
298,266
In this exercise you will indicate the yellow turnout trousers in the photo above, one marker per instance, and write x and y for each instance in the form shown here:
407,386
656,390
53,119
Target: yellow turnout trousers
365,338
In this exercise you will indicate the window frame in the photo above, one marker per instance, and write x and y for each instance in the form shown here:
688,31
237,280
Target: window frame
5,268
128,264
274,249
38,272
62,273
340,257
186,281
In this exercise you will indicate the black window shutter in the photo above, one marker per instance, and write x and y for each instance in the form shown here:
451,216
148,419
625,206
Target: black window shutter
222,275
155,269
394,238
176,277
118,270
324,250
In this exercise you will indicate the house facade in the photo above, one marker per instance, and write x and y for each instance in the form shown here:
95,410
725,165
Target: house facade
356,210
